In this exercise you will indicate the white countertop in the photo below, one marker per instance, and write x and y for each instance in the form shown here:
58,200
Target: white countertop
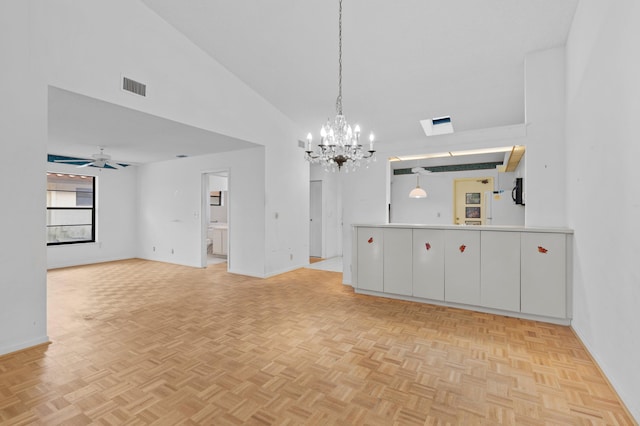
467,227
216,225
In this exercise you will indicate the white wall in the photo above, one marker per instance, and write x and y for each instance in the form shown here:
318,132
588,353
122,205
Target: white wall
170,206
437,208
331,210
364,201
545,118
287,207
23,136
603,93
116,216
87,56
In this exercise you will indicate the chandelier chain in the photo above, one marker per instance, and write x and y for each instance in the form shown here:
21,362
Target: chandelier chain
339,100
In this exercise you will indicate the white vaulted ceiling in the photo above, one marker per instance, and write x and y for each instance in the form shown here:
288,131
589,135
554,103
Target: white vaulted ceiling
403,60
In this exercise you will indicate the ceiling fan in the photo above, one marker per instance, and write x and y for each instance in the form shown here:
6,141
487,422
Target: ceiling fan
420,171
100,160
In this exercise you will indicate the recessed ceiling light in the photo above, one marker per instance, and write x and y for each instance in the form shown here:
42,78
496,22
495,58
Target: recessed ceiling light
181,156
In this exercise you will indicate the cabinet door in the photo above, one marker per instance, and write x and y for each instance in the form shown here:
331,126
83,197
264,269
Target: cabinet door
216,242
462,266
428,263
500,270
225,243
398,261
370,255
543,281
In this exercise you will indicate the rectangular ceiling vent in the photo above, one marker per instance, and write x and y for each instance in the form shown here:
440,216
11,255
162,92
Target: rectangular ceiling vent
134,86
437,126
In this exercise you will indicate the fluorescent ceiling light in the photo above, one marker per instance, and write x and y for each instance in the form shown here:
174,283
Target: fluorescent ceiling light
419,157
451,154
482,151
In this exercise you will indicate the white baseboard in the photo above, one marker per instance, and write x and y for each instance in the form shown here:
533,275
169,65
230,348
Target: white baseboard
7,349
628,400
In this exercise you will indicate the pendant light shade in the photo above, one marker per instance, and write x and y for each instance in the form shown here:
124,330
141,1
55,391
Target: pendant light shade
418,192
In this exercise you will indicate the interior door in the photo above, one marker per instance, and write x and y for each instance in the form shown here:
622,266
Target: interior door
315,219
469,204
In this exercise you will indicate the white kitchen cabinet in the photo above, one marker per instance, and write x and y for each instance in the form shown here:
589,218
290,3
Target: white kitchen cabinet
218,241
521,272
370,254
397,262
500,270
225,233
544,274
462,266
428,263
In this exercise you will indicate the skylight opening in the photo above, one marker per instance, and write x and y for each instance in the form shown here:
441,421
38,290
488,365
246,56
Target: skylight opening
437,126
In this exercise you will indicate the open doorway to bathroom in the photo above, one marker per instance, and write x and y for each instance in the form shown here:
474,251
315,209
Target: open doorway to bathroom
215,226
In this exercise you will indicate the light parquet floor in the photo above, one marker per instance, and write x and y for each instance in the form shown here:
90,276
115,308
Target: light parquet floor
138,342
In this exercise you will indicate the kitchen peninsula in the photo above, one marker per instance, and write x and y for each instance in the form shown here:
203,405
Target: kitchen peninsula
514,271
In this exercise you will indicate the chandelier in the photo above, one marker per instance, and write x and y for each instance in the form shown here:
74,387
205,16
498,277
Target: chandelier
339,144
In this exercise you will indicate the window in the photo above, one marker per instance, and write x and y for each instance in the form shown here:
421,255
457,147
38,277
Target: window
215,198
70,209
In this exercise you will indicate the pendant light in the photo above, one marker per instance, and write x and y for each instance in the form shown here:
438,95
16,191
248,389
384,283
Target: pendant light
418,192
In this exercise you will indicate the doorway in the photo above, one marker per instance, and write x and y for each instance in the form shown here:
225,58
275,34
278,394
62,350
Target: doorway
215,218
469,200
315,219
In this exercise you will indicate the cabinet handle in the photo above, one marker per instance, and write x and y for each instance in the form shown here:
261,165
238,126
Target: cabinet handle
542,250
370,240
462,248
427,246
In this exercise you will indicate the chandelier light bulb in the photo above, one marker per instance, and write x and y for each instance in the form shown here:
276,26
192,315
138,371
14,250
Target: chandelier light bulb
309,139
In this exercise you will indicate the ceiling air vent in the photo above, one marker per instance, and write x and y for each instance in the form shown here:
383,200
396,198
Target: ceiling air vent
134,86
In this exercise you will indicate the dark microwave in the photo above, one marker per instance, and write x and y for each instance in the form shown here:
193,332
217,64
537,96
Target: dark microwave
517,191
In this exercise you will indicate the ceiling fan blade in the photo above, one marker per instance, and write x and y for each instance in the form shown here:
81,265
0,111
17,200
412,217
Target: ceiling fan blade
114,165
70,161
86,164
